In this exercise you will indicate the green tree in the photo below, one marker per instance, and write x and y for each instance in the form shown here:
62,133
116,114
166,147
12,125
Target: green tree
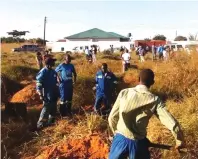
147,39
159,37
40,41
17,34
193,37
12,40
180,38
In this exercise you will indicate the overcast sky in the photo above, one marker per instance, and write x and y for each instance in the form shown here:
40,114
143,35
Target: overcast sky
143,19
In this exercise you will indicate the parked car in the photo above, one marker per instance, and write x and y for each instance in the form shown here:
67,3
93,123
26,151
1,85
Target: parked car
30,48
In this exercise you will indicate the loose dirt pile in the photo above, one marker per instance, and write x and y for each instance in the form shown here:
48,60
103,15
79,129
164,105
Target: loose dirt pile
8,88
27,95
131,77
92,147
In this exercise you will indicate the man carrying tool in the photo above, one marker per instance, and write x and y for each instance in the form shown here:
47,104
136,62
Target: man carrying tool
65,72
46,86
105,84
129,118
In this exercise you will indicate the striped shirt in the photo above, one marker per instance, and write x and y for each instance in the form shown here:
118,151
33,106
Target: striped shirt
133,109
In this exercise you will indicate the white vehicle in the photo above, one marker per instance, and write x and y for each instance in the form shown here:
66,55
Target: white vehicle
78,49
183,45
176,47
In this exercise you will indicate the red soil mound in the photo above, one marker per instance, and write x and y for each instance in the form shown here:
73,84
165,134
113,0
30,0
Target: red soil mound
130,78
27,95
90,147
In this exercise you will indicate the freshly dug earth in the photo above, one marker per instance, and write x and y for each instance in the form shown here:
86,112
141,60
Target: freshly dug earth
92,147
27,95
8,88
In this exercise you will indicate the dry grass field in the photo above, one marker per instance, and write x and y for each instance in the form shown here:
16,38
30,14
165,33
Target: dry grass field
6,48
86,135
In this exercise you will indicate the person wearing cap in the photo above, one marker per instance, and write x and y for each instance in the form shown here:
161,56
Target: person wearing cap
67,77
46,86
130,116
105,84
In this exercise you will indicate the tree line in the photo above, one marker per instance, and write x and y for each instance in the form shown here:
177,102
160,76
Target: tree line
21,40
177,38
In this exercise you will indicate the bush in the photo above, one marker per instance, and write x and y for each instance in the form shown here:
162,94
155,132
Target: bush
83,93
18,73
178,77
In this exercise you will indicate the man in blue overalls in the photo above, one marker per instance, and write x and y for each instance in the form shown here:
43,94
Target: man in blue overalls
105,84
46,86
65,72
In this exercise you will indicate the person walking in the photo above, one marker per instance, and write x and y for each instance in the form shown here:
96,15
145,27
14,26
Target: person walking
46,86
105,85
160,52
112,49
141,54
126,57
153,49
88,54
39,60
93,53
130,116
121,51
67,77
165,53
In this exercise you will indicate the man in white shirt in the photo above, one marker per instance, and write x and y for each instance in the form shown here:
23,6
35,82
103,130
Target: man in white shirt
88,54
126,57
130,116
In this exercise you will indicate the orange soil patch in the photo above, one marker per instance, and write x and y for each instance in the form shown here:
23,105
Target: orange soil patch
130,78
27,95
92,147
88,108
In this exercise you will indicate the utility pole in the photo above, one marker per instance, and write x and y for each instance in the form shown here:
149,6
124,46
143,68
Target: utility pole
45,20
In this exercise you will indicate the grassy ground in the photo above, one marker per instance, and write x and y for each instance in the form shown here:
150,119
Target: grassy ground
6,48
176,82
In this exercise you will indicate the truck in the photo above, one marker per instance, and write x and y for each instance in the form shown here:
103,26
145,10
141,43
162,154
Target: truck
149,43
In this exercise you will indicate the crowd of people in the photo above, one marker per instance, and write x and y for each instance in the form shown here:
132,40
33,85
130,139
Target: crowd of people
128,117
52,84
91,53
162,52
